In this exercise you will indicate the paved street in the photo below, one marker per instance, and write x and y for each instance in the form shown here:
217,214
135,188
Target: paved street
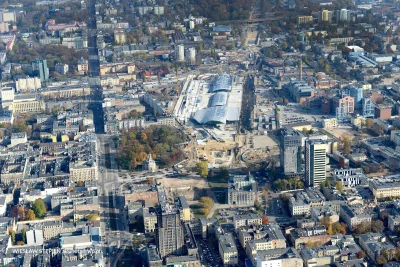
113,215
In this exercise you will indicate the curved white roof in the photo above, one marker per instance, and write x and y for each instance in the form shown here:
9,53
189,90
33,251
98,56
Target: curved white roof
217,114
219,99
223,82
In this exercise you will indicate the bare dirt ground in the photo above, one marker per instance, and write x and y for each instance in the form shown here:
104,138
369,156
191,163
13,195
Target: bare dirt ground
192,188
262,141
343,131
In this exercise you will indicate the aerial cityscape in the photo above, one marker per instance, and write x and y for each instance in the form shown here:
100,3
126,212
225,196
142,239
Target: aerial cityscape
199,133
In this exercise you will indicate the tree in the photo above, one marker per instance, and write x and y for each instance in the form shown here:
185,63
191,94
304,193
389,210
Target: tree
21,213
206,203
82,128
362,228
93,217
23,233
381,260
377,226
265,219
30,215
12,235
346,144
339,228
339,186
369,122
19,126
202,168
361,254
39,207
327,68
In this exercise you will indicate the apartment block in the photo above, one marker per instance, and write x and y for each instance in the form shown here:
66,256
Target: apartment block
246,220
242,190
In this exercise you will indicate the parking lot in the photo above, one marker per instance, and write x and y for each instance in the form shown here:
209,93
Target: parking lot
209,255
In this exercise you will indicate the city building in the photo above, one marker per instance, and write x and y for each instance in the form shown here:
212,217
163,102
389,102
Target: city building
330,123
149,164
368,108
180,52
350,177
301,204
246,220
304,19
343,15
279,257
263,237
301,236
61,68
343,107
394,222
26,103
149,220
192,55
384,189
355,214
3,205
267,233
291,146
40,69
4,27
242,190
358,121
325,16
315,162
374,243
383,111
83,66
169,230
183,207
227,249
300,90
357,92
28,84
7,15
120,36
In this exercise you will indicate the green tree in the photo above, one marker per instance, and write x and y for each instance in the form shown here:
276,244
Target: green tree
339,186
23,233
368,123
206,203
30,215
377,226
12,235
327,68
346,144
202,168
39,208
19,126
